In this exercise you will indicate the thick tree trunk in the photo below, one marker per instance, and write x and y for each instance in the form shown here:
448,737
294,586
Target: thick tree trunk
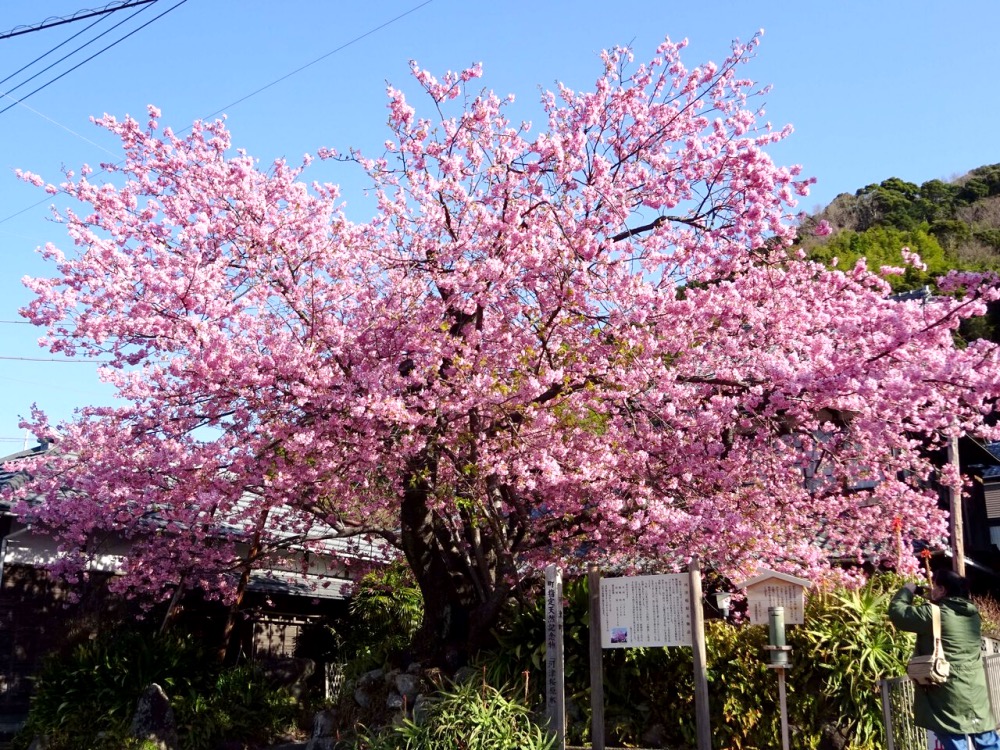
461,604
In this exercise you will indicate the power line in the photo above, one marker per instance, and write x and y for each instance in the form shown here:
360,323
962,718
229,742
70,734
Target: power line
68,130
318,59
53,49
84,62
80,15
65,361
254,93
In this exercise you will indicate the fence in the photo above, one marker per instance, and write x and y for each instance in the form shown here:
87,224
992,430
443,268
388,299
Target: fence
897,702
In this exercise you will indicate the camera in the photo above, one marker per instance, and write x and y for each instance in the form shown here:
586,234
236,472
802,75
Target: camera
921,591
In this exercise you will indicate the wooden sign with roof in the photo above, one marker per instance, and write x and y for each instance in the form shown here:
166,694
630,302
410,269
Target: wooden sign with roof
773,589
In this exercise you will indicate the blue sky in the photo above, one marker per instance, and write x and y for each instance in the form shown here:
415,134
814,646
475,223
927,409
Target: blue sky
874,90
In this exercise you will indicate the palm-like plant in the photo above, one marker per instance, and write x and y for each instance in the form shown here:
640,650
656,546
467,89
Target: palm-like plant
846,648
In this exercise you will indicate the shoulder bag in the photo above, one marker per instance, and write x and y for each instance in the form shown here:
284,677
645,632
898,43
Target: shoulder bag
933,669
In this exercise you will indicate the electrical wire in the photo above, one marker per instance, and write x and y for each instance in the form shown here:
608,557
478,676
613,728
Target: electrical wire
254,93
345,45
84,62
80,15
68,130
56,359
53,49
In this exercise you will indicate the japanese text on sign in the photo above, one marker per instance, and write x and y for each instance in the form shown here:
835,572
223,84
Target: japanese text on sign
776,593
646,611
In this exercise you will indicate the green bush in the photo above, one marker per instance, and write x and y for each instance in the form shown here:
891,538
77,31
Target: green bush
91,692
845,647
470,715
87,697
239,707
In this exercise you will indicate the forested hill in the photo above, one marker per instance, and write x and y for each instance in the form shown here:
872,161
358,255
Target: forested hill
952,225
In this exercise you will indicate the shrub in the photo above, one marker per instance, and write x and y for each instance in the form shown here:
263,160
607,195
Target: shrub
845,647
238,707
469,715
87,697
989,611
386,610
91,693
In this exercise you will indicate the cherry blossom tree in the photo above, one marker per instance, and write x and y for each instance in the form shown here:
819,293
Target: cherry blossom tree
589,342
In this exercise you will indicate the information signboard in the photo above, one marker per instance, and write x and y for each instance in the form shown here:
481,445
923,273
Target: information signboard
773,589
646,611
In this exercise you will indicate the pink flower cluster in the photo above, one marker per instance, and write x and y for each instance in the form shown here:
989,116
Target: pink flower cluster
590,341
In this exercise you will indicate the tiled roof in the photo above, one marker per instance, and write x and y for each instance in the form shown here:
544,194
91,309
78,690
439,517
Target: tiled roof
320,539
11,476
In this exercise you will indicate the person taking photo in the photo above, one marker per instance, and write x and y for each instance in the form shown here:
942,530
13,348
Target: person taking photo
960,706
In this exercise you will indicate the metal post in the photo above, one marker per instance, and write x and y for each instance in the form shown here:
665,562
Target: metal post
784,708
778,659
890,741
702,721
596,660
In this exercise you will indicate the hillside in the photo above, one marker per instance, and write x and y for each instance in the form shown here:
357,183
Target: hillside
952,225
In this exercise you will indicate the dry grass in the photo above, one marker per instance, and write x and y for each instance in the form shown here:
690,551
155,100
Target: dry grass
989,611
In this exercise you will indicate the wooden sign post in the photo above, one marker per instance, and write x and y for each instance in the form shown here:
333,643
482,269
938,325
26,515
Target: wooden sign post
555,679
651,611
776,599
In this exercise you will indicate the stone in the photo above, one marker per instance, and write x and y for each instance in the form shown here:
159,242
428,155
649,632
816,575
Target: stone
325,723
407,685
420,705
654,736
288,672
465,674
368,679
154,721
324,736
369,686
394,700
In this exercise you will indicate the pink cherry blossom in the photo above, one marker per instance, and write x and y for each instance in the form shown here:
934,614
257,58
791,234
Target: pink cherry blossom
590,343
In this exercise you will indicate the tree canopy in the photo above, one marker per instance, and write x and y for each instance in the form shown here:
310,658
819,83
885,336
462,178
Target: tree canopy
586,343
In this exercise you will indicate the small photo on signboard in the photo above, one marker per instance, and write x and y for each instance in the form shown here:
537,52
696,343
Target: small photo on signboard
619,635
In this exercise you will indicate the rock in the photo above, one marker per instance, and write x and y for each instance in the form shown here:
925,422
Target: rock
369,687
324,736
368,679
465,674
325,723
407,685
833,737
154,721
394,700
289,673
420,705
654,736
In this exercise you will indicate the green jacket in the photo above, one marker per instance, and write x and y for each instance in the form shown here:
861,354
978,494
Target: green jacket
961,705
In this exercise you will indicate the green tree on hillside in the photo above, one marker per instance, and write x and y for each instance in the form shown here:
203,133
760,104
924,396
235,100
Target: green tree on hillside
882,246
